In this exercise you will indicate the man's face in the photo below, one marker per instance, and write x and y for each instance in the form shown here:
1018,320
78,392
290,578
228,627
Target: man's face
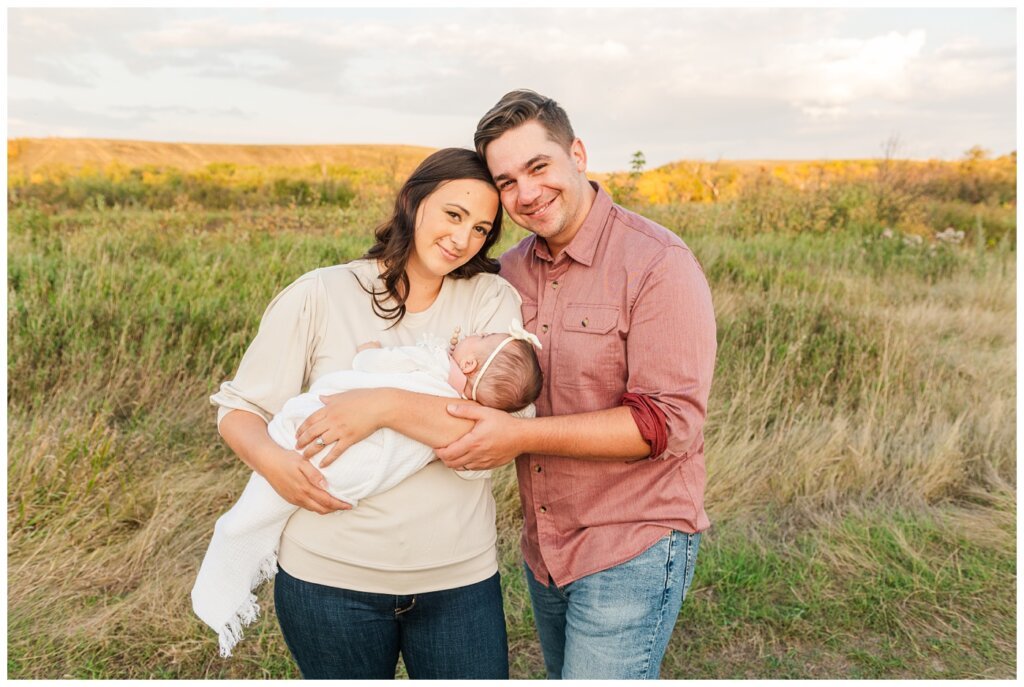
542,186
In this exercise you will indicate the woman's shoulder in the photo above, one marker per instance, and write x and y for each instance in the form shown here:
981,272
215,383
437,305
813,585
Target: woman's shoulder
362,268
316,284
340,277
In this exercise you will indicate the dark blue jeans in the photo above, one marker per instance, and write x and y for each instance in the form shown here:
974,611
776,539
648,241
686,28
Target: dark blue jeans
338,633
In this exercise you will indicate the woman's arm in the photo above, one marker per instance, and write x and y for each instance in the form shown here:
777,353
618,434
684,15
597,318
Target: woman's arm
354,415
292,477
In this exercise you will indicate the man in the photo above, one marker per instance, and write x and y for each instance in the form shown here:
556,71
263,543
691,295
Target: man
611,472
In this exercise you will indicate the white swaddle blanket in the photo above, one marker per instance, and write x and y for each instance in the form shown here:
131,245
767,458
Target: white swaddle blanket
243,551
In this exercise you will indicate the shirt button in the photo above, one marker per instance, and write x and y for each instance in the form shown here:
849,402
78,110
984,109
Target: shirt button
537,468
544,328
543,509
554,284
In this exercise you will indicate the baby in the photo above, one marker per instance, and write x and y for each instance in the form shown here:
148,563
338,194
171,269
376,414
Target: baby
496,370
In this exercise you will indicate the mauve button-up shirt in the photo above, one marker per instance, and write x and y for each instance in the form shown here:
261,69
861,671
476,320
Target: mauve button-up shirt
623,309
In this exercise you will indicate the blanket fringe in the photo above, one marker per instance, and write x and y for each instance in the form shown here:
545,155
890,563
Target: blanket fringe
231,633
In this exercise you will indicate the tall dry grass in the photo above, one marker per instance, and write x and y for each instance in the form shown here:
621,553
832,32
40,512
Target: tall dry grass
861,419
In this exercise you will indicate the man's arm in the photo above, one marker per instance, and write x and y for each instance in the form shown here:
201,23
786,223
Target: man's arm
497,438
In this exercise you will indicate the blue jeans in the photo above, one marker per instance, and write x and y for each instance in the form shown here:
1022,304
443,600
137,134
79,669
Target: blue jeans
616,623
338,633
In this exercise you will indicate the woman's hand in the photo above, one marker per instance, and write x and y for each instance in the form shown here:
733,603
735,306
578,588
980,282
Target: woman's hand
294,479
345,419
300,484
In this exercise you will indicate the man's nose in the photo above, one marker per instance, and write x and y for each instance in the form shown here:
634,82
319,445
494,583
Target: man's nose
529,192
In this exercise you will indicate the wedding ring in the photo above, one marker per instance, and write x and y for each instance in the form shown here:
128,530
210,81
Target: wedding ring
320,442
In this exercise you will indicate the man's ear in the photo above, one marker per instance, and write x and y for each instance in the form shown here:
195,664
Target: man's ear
468,365
579,155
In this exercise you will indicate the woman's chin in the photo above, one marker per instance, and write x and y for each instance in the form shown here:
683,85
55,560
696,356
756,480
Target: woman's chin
447,267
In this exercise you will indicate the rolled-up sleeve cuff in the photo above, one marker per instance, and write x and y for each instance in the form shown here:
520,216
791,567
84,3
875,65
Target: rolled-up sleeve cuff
650,420
227,402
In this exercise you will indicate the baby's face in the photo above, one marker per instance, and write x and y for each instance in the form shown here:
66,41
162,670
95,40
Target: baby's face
467,357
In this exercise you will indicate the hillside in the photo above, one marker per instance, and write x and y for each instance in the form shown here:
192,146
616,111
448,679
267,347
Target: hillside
25,155
72,172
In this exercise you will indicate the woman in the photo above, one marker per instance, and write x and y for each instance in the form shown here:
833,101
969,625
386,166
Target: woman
412,570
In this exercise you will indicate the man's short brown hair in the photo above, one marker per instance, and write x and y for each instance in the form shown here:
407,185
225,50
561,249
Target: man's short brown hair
518,107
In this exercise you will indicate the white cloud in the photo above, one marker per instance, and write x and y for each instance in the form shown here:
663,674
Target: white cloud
967,68
683,82
826,78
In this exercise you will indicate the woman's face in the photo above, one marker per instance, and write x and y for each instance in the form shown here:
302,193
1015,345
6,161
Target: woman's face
452,224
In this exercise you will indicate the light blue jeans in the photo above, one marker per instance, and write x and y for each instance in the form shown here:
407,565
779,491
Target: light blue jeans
615,624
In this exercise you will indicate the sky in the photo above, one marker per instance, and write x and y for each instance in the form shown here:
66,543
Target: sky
674,83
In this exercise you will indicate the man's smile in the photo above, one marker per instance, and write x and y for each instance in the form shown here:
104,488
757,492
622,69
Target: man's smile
537,212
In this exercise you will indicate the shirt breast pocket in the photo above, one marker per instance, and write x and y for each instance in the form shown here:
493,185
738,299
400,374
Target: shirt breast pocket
591,354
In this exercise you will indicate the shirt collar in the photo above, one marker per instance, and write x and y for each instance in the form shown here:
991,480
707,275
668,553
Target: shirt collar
584,243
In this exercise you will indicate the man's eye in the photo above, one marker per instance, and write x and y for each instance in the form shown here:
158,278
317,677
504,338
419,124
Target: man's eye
505,185
539,167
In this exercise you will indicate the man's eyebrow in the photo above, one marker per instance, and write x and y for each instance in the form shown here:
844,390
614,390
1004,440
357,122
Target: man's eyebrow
529,163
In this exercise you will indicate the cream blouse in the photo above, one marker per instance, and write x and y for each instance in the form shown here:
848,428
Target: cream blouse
434,530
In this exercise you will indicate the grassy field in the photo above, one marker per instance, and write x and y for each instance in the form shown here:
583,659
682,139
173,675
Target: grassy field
860,445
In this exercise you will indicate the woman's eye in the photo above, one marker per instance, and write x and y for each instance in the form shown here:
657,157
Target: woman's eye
453,215
483,230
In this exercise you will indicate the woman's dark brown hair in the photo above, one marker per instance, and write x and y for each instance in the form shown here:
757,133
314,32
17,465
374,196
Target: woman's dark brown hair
395,237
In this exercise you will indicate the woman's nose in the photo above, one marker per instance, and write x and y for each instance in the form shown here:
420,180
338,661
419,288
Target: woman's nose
460,236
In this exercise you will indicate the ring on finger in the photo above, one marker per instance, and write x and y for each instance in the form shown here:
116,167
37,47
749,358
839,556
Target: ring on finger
320,442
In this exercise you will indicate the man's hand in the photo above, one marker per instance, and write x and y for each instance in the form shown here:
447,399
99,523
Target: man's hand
345,419
494,441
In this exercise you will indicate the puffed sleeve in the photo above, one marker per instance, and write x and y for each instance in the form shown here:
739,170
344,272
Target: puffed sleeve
276,365
495,304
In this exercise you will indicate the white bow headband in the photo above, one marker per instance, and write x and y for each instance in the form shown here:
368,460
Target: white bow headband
515,333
